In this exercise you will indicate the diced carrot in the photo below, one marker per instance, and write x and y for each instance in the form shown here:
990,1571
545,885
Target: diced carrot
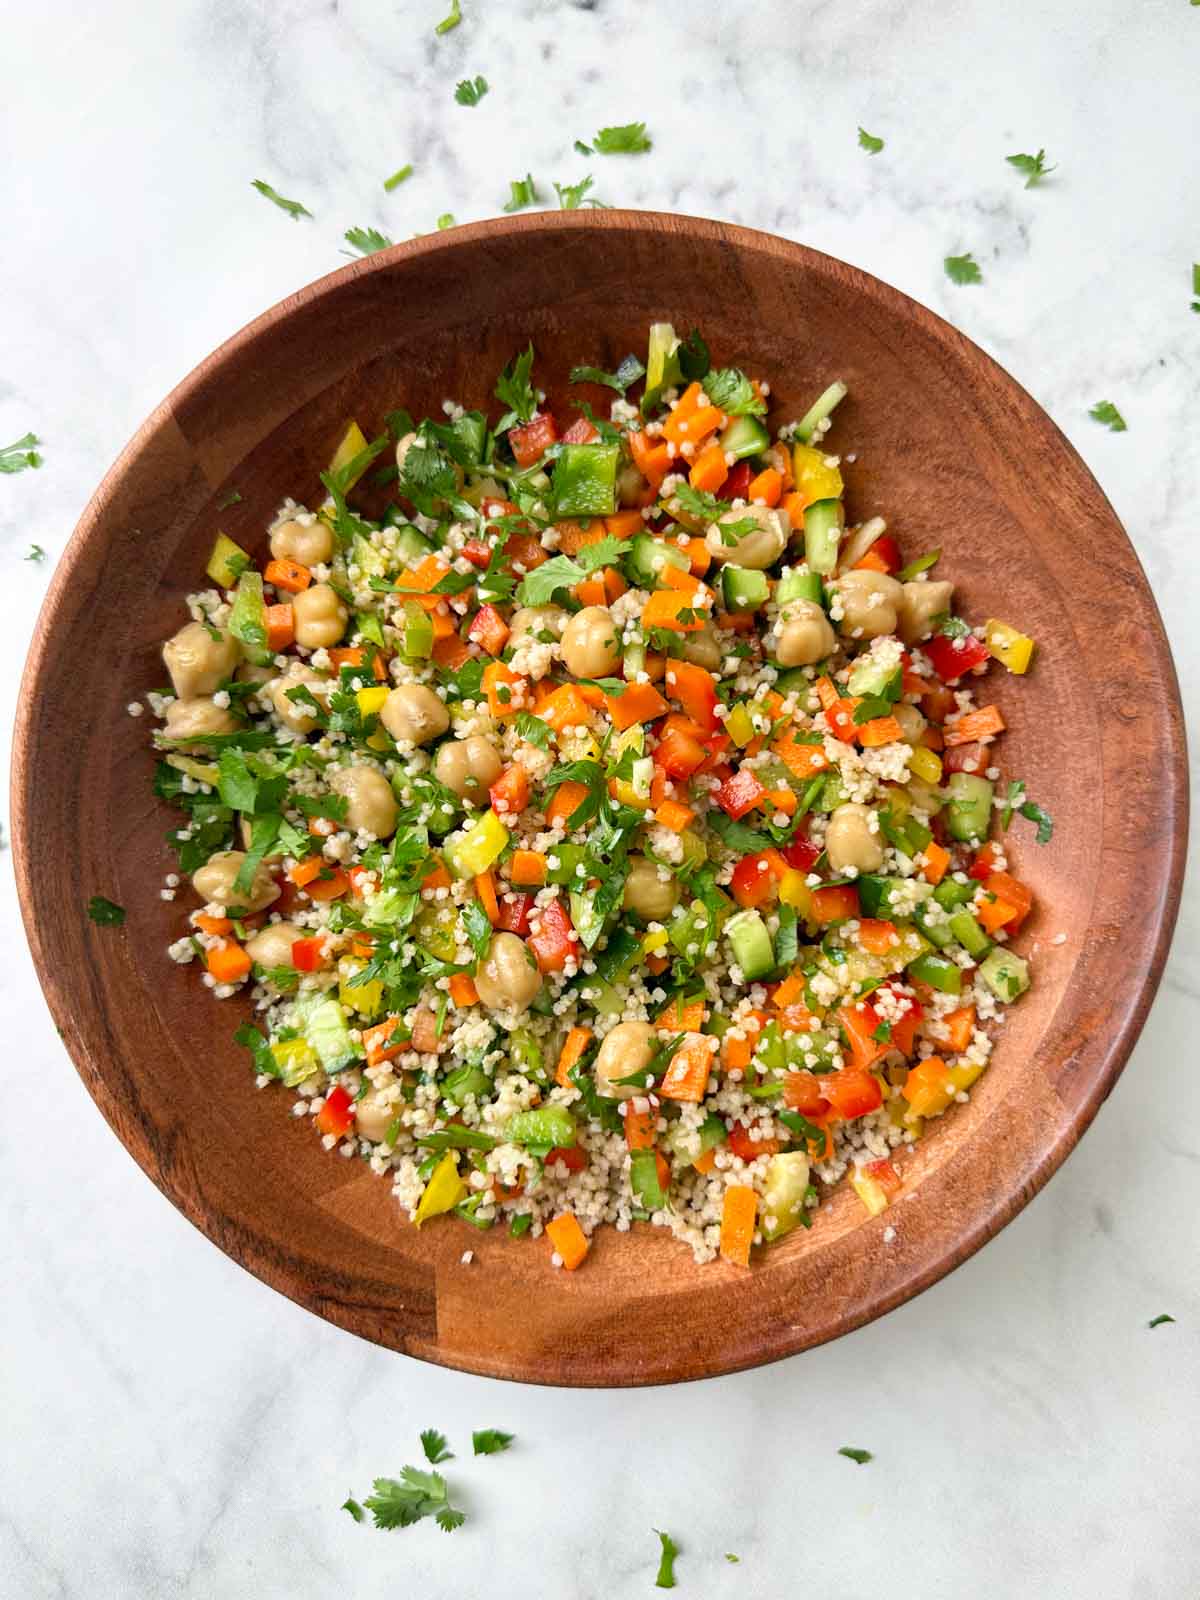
804,761
528,868
706,1162
657,964
767,487
566,800
739,1213
879,731
673,815
667,608
624,524
281,627
981,725
590,592
505,690
379,1043
510,792
303,873
228,962
686,1077
794,503
788,993
332,883
873,561
451,653
960,1025
699,555
934,860
322,827
445,626
996,914
217,926
640,702
437,878
782,800
614,584
641,1127
681,1016
651,457
462,989
574,536
569,1240
573,1047
709,470
699,594
425,576
1016,893
485,888
826,693
875,936
361,879
694,427
290,576
565,708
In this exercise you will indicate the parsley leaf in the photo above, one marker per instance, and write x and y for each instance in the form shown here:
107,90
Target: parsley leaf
522,192
692,355
1164,1316
351,1505
594,779
104,913
451,21
861,1456
583,149
17,457
629,371
478,928
868,141
233,498
564,572
962,269
470,92
666,1567
1015,790
36,553
1032,168
399,1502
627,139
731,391
514,389
1032,812
367,240
435,1446
398,177
571,195
490,1441
1104,411
729,1556
293,207
533,730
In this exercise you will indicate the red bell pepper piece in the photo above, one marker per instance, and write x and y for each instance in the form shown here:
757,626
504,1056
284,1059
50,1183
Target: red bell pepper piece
532,439
885,1175
950,658
888,551
802,1093
860,1023
840,717
478,552
965,758
802,854
696,691
573,1157
555,939
739,793
904,1028
984,863
336,1116
510,792
753,880
852,1093
836,903
514,914
715,746
489,630
581,431
737,483
307,954
747,1148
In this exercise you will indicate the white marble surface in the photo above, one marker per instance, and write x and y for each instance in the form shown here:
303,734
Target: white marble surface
174,1429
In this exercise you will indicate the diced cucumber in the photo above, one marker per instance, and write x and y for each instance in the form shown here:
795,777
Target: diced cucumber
969,934
552,1126
743,589
784,1193
751,944
819,410
745,436
951,893
587,924
823,523
662,364
878,895
411,547
938,971
799,586
585,480
937,931
969,810
368,559
326,1031
468,1079
861,966
568,857
1005,973
647,557
647,1191
874,679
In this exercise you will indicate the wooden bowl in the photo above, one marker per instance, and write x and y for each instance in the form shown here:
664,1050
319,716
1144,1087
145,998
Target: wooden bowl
948,447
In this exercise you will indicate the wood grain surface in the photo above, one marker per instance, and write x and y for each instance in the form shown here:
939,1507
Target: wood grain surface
949,448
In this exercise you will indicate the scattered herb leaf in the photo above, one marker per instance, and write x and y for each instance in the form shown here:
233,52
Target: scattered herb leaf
1164,1316
666,1567
399,1502
572,195
36,553
17,457
490,1441
446,220
533,730
522,192
627,139
398,177
351,1505
868,141
293,207
435,1446
963,269
104,913
861,1456
367,240
470,92
451,21
1032,168
1104,411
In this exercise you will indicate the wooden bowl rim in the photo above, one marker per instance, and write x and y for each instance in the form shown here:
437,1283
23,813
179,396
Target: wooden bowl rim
1102,1057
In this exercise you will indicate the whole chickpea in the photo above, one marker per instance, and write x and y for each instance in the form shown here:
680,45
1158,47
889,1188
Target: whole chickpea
251,672
272,946
536,625
308,543
920,603
374,1115
702,648
197,662
805,634
370,803
413,714
870,603
850,842
627,1048
508,978
757,547
294,714
912,722
191,719
589,643
213,882
927,797
651,891
319,615
468,766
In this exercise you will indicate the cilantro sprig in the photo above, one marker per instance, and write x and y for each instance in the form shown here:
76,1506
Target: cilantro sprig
868,141
731,391
435,1446
514,390
573,195
1032,168
490,1441
628,372
367,240
627,139
564,572
21,455
522,192
470,91
1105,412
963,269
293,207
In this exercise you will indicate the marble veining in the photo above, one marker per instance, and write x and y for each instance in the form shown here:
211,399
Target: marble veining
173,1429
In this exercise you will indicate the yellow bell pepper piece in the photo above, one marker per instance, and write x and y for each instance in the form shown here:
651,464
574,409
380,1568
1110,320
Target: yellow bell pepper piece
227,562
794,891
370,701
814,480
624,791
296,1060
926,765
739,725
964,1073
928,1088
444,1190
869,1192
1012,649
365,998
202,771
353,443
481,845
653,944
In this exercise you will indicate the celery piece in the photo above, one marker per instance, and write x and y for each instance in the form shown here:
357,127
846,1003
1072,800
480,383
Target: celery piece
819,410
418,632
644,1185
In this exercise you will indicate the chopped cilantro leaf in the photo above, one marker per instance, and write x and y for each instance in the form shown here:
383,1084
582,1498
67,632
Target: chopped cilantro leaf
731,391
477,927
351,1505
1164,1316
963,269
1196,264
573,195
469,92
20,455
293,207
398,177
231,499
514,389
1032,168
861,1456
490,1441
533,730
629,371
446,220
1032,812
367,240
522,192
729,1556
564,572
452,20
36,553
666,1566
868,141
1104,411
104,913
693,357
399,1502
435,1446
627,139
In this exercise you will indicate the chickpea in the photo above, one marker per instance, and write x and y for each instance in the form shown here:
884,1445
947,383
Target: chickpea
468,766
912,723
631,486
651,891
320,617
702,649
627,1049
758,546
589,643
271,946
849,841
920,603
370,803
805,634
413,714
251,672
925,797
294,714
190,719
213,882
507,978
530,624
870,603
197,662
374,1115
308,543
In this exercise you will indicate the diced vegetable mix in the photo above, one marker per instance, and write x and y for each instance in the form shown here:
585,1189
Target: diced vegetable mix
604,829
